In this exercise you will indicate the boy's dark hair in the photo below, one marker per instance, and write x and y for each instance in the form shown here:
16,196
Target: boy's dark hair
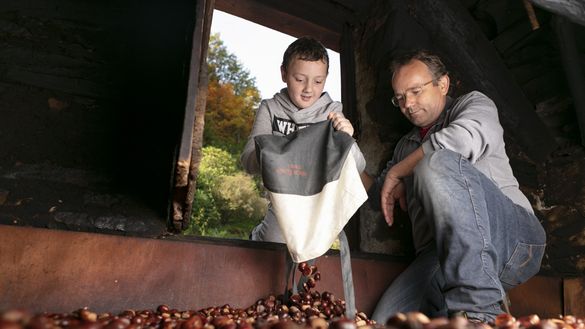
432,61
306,49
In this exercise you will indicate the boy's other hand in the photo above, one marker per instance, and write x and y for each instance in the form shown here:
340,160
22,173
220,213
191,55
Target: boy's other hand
341,123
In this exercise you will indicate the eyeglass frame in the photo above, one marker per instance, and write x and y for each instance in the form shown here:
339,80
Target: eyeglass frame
396,101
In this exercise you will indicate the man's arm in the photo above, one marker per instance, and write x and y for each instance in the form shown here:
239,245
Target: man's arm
367,180
393,189
406,166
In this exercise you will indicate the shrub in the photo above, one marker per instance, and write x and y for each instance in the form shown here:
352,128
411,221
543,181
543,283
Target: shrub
239,199
227,201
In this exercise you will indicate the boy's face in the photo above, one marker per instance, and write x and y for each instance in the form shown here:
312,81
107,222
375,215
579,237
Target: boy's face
305,81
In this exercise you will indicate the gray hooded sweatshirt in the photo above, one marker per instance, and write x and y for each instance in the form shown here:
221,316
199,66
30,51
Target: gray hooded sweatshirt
280,116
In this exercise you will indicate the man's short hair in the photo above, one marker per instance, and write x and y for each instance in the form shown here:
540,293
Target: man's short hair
306,49
432,61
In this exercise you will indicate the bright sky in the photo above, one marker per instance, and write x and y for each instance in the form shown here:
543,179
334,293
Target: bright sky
260,50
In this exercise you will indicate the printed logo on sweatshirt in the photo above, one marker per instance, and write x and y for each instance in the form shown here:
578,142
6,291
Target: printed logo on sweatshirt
287,126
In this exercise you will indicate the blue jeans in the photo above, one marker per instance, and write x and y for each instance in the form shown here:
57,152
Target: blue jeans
484,244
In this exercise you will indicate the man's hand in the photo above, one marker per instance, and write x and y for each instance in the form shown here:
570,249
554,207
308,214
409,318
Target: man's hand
392,190
340,123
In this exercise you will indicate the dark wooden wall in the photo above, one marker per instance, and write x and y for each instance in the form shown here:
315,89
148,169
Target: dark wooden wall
92,98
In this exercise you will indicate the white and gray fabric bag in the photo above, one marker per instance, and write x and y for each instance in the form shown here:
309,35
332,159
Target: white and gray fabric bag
313,184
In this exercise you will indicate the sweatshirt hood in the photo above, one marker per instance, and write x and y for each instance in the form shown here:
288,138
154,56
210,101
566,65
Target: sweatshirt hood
285,101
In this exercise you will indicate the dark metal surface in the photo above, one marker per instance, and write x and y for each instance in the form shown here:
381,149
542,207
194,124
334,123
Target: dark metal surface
61,271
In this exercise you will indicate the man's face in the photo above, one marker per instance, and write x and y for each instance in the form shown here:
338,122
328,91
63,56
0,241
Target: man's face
305,81
421,99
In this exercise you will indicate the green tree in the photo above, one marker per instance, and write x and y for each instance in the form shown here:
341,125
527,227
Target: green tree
231,100
227,202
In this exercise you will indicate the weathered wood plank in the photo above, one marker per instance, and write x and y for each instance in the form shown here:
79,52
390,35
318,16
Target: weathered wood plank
574,290
297,26
574,10
459,39
321,12
573,67
187,166
348,97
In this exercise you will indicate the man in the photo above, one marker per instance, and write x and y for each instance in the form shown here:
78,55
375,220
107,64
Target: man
475,233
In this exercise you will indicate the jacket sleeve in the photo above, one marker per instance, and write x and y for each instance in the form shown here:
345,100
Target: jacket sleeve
355,150
374,191
473,127
358,156
262,126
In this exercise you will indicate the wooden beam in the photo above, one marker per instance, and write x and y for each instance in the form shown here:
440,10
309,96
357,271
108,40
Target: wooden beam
348,97
573,291
573,10
282,21
192,135
324,13
184,159
573,68
459,39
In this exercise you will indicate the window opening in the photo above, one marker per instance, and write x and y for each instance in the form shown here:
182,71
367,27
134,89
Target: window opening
244,67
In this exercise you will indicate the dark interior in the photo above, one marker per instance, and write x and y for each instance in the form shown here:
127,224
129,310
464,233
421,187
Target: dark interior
93,98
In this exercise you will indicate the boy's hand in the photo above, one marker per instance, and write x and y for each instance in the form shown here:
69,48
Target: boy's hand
341,123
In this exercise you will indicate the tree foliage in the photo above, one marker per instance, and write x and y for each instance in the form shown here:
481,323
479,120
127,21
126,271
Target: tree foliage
225,67
227,201
231,101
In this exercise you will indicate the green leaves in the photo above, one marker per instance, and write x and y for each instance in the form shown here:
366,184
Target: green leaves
227,201
232,98
224,67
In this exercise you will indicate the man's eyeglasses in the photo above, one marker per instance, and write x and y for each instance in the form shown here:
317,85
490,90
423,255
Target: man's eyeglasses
399,99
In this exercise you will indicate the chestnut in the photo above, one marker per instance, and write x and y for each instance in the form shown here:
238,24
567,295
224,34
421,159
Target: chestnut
163,309
505,320
318,323
313,269
117,324
304,268
327,296
343,323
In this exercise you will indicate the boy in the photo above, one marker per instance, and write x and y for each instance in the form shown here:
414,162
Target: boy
304,69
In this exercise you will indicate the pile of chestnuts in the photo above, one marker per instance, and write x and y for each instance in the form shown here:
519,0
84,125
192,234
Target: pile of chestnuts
416,320
308,309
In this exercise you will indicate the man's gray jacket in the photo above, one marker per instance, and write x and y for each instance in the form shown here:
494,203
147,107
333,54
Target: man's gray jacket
470,126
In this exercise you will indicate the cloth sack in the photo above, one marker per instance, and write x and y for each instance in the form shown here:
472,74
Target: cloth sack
313,184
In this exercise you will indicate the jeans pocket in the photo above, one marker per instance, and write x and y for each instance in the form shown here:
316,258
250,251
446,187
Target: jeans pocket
524,263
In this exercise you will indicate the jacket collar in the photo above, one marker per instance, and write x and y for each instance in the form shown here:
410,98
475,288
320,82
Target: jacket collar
414,135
